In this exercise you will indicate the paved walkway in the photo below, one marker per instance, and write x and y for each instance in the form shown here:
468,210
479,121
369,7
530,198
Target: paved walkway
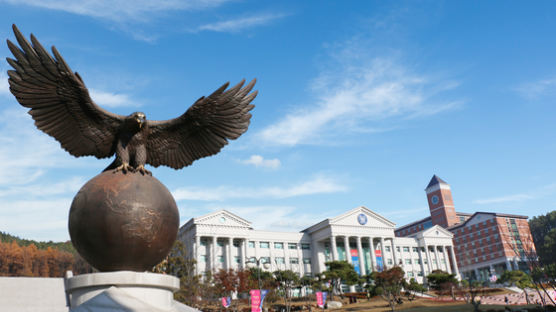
516,298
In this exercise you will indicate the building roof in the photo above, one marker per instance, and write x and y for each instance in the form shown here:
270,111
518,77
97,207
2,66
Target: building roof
496,214
413,223
436,180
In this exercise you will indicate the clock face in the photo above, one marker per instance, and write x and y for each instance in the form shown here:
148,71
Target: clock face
362,219
434,199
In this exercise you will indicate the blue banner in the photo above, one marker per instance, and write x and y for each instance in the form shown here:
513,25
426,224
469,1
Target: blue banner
263,294
355,261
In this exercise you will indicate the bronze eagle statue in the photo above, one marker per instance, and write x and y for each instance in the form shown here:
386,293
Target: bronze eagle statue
61,106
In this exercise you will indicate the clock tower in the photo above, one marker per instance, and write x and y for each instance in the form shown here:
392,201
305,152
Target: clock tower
441,204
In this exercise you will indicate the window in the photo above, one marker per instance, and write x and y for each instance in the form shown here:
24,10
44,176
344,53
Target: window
434,261
420,273
294,260
416,261
406,249
305,246
389,261
398,248
278,245
387,248
280,260
220,243
236,243
307,260
264,245
443,261
203,258
407,261
265,259
409,274
236,259
203,242
292,246
221,259
414,249
425,261
251,244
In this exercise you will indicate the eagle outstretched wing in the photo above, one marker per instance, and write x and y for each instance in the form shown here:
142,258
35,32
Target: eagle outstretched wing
58,100
203,129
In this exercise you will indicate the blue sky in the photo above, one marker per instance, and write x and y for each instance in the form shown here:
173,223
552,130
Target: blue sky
360,103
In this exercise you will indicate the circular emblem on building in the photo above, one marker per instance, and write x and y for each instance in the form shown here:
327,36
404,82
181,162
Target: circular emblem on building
362,219
222,219
434,199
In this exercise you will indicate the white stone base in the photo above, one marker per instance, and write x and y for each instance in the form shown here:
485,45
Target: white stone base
123,291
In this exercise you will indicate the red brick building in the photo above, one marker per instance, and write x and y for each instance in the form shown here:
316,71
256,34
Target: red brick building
485,243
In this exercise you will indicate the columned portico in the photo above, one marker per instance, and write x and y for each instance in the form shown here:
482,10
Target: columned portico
306,252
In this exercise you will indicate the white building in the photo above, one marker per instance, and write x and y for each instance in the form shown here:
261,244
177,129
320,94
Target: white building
222,240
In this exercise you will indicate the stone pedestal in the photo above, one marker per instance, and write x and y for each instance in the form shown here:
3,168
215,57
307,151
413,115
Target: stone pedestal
123,291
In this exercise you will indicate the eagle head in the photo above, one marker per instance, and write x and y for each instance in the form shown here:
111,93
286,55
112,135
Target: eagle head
137,119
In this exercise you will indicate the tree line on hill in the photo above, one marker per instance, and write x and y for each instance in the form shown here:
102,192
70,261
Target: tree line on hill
21,257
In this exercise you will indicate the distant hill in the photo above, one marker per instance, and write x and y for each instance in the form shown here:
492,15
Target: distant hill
63,246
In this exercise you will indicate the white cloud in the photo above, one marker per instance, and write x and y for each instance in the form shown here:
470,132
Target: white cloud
120,10
259,161
361,93
27,153
537,89
533,194
72,185
239,24
108,99
4,86
318,185
503,199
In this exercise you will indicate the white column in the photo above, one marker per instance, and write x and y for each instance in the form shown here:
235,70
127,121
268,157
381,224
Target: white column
446,260
384,264
361,256
334,249
429,262
197,253
213,254
508,265
229,258
373,256
346,249
438,267
516,264
394,252
243,260
454,261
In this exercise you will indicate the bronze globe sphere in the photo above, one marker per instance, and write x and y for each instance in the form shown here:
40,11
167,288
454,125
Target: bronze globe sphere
123,221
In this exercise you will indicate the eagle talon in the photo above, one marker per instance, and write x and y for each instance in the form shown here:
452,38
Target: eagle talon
125,167
142,170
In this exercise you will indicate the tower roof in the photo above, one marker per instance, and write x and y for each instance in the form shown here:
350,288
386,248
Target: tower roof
435,180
